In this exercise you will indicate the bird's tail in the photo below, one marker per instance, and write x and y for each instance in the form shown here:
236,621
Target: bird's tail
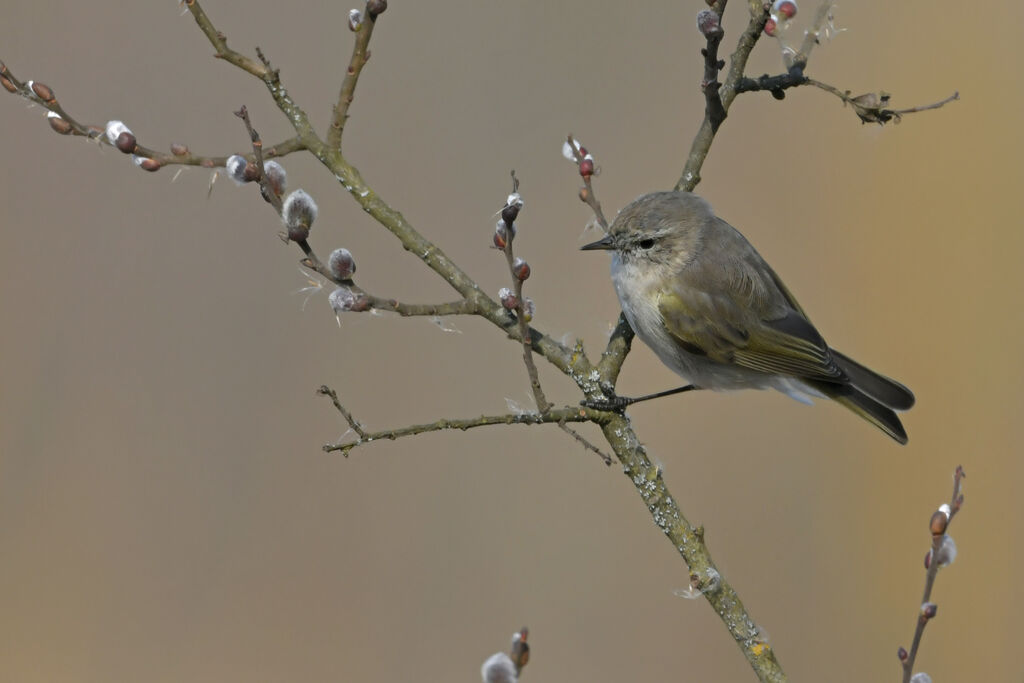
874,397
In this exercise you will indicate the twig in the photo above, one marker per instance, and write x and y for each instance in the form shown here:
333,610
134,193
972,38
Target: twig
727,92
587,194
333,395
271,77
521,307
714,112
220,43
257,149
582,440
95,133
554,415
360,55
937,557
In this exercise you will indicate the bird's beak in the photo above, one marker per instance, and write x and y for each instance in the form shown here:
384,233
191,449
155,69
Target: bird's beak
603,243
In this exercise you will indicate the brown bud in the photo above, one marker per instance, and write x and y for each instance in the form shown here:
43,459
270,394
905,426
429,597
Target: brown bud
178,149
150,165
58,124
8,85
587,167
929,610
584,194
769,26
928,559
126,142
376,7
521,269
902,653
42,91
938,523
251,172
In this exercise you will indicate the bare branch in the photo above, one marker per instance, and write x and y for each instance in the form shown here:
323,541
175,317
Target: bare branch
264,71
553,416
363,28
220,43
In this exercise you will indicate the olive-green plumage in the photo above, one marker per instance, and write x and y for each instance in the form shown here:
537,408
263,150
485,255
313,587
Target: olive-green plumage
696,292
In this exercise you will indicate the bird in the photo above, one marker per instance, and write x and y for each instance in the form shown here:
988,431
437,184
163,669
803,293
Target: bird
704,300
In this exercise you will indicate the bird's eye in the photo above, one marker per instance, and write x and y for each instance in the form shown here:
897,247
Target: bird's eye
646,244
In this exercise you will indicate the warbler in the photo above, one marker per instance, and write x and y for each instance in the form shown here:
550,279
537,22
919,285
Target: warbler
696,292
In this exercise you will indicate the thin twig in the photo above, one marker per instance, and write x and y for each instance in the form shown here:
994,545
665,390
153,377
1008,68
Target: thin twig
713,109
360,55
95,133
265,72
582,440
220,43
587,194
554,415
521,312
333,395
943,517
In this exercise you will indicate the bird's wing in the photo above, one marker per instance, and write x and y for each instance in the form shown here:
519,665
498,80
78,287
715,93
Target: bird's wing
740,313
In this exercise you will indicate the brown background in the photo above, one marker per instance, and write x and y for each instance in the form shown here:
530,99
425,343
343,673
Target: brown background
166,513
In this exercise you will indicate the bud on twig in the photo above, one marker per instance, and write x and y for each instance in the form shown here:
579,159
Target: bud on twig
341,264
784,8
938,522
374,8
769,26
43,92
178,149
503,234
946,554
57,123
521,269
929,610
235,167
902,653
708,23
145,164
355,20
508,299
8,85
120,136
277,177
298,213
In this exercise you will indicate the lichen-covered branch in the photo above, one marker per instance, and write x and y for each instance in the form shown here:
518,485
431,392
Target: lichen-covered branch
688,540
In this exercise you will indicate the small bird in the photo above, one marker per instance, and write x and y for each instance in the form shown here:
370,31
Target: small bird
696,292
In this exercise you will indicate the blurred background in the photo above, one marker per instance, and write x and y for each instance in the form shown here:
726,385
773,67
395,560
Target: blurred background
167,514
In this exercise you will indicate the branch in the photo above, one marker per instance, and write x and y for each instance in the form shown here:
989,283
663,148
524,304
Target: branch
264,71
180,155
220,43
519,271
553,415
689,542
942,554
360,55
727,93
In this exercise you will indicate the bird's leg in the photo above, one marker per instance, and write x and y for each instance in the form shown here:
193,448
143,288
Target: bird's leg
618,403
